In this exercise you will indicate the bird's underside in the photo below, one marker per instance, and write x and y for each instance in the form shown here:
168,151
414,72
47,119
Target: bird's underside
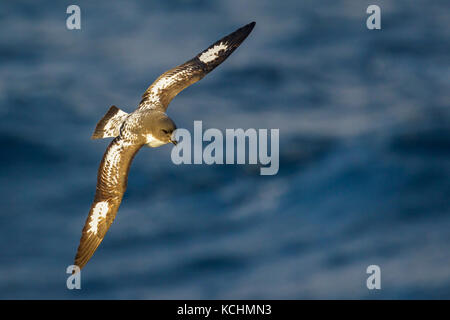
134,130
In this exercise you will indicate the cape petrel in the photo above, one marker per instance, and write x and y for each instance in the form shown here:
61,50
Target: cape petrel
148,125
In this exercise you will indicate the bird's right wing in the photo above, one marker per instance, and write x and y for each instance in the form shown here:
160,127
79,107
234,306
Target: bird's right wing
111,184
170,83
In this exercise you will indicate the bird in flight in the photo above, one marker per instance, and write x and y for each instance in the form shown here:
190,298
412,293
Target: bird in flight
148,125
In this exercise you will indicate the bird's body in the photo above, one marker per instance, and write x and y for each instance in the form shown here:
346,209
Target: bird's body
148,125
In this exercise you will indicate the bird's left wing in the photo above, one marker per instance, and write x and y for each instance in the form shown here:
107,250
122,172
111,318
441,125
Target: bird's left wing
170,83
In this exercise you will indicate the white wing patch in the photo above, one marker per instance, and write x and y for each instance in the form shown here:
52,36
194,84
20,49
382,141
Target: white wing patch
164,83
212,53
99,212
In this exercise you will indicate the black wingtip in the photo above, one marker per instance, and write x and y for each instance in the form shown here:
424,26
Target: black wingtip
231,42
247,28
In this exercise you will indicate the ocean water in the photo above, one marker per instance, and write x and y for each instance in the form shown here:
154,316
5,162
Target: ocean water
364,178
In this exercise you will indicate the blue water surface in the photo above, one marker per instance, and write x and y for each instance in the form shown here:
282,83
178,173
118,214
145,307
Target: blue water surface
364,178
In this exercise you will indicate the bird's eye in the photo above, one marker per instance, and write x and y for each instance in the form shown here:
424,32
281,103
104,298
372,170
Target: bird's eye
165,131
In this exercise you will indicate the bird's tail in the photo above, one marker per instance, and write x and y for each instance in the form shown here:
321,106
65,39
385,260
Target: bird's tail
109,125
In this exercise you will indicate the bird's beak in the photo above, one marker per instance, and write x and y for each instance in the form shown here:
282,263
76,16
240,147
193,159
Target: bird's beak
174,142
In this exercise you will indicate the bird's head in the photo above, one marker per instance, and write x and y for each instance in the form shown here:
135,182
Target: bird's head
163,130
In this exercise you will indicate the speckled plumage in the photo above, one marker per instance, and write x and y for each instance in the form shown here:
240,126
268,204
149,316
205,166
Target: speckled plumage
147,125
